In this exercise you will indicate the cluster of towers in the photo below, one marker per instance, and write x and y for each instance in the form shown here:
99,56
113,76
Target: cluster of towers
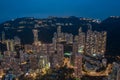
10,43
62,37
54,51
92,43
95,43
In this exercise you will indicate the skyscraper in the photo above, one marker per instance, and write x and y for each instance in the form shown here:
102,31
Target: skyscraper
10,45
95,44
81,41
3,36
59,34
59,31
78,65
35,33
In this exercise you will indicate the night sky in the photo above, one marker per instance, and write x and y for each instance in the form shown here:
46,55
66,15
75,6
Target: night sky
10,9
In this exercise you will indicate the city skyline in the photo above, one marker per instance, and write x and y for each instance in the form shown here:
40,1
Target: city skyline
68,56
59,40
44,8
33,58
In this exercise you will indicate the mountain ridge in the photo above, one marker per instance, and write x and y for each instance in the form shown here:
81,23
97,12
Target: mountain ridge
22,27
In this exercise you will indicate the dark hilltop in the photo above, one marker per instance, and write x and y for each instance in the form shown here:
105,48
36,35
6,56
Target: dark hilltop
22,27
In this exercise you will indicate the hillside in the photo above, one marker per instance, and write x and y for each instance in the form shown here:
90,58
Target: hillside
22,27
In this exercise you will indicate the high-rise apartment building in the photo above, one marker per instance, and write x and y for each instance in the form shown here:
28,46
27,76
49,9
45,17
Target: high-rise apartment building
10,45
78,65
3,36
35,33
95,44
81,41
63,37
